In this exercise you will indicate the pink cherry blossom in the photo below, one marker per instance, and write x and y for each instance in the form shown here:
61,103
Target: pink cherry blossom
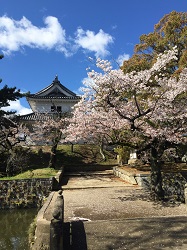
118,107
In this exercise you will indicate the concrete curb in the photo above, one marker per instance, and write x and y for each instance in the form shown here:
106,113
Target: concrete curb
125,175
139,179
45,217
42,232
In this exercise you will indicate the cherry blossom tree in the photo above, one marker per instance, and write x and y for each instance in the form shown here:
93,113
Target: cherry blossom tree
47,129
145,110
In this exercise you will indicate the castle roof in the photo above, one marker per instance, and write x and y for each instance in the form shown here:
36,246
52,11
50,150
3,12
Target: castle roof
54,91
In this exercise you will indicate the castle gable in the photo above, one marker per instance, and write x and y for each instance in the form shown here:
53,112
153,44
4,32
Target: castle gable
56,89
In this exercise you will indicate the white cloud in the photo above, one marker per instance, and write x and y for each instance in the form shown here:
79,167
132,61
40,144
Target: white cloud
122,58
16,106
97,43
16,35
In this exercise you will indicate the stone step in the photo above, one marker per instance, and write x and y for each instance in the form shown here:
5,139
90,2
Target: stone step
89,180
93,173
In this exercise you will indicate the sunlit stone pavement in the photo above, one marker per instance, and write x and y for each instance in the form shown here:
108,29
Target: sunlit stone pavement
104,212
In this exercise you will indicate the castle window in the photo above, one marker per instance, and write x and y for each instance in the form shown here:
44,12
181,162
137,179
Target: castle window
53,108
59,109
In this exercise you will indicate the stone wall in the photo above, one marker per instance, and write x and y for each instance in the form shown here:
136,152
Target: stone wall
26,193
173,184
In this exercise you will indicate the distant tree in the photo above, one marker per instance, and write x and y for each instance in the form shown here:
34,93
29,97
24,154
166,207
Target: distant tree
170,31
9,129
9,138
8,94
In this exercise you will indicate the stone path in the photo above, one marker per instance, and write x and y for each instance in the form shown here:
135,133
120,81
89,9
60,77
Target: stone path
84,180
104,212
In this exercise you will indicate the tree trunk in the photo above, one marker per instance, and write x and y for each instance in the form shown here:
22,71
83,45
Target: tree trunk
9,169
101,150
56,140
72,147
156,175
9,165
52,161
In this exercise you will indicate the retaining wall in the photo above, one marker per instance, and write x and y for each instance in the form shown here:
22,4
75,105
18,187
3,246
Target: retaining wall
140,179
26,193
173,183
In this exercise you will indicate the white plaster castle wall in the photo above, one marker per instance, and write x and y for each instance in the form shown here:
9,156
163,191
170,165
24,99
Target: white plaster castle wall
45,106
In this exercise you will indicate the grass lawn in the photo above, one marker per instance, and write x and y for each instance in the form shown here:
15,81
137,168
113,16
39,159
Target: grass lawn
36,173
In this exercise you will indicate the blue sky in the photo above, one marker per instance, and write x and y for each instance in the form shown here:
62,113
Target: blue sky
42,39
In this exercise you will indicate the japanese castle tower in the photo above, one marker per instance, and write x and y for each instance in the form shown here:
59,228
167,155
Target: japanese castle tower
55,98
